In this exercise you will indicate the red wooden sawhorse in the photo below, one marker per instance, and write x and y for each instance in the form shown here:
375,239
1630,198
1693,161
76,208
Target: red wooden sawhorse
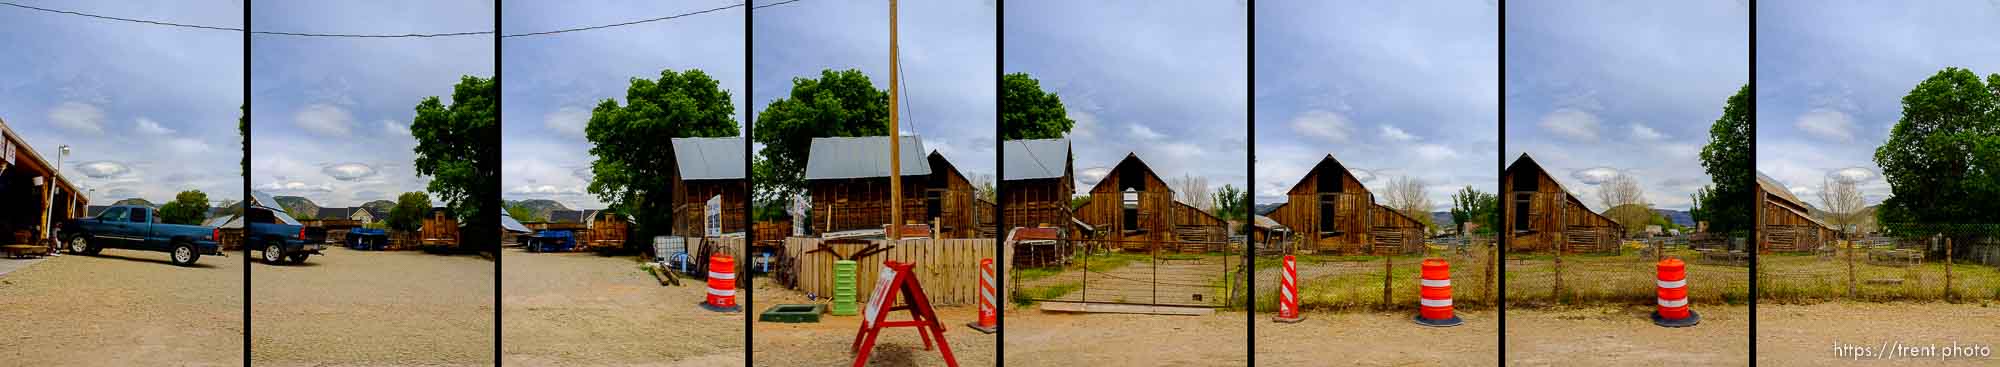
896,278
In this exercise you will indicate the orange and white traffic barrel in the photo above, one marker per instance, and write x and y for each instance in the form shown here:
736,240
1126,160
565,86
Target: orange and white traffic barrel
1288,294
987,313
1434,305
721,284
1674,310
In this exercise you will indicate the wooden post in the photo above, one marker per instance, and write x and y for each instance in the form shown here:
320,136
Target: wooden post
1850,269
1947,269
1492,261
1561,244
895,137
1387,274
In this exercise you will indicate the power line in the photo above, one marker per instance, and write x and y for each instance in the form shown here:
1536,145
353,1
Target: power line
406,35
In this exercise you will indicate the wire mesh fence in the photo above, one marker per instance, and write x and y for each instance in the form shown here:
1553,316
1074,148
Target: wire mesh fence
1163,273
1386,281
1902,263
1717,272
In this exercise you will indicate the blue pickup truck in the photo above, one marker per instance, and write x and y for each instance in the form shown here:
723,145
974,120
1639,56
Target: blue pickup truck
277,237
139,228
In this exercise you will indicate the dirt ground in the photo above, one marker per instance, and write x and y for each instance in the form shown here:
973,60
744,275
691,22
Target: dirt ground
1605,336
1036,338
371,308
826,343
1377,339
123,307
1189,282
586,309
1793,335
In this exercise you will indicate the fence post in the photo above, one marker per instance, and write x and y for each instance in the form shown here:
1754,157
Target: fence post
1850,269
1492,261
1387,274
1947,269
1561,244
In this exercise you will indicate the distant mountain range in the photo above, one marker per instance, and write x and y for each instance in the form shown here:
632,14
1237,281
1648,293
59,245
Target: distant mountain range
298,206
1680,217
541,207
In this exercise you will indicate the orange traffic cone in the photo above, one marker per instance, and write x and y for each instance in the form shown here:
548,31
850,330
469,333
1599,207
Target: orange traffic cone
987,314
1288,294
1434,306
721,284
1674,310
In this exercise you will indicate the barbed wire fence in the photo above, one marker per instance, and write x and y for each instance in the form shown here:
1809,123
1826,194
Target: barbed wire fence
1950,262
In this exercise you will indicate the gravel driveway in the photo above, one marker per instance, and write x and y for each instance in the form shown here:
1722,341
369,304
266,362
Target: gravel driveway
123,307
373,308
585,309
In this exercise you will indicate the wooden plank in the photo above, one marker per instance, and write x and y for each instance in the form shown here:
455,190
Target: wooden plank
1078,307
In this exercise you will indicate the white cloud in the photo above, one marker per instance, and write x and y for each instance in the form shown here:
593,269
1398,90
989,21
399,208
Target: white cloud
394,128
1143,132
348,171
1322,124
1087,177
1435,152
187,145
1852,174
293,187
568,121
1641,132
78,116
1595,175
1571,123
1086,123
325,119
544,189
1393,133
149,127
1828,124
103,169
1363,175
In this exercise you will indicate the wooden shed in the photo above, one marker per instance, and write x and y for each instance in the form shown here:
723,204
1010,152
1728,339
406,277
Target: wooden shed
949,201
1040,179
32,191
1540,214
848,181
440,229
1136,210
1330,210
703,169
1783,221
603,230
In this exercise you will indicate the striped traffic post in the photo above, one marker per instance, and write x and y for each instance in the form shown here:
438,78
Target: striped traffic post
721,284
987,313
1288,294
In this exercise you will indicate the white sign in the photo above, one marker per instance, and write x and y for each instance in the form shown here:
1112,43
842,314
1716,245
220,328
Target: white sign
7,149
712,217
881,292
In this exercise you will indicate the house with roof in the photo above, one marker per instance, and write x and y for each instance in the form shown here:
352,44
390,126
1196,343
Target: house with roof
1331,210
1541,215
848,182
951,205
704,169
1785,223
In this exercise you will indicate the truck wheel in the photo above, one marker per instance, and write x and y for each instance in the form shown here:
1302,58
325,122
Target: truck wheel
297,258
184,254
81,245
274,254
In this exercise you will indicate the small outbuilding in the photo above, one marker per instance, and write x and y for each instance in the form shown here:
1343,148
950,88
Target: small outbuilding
1541,215
848,181
1330,210
1784,223
704,169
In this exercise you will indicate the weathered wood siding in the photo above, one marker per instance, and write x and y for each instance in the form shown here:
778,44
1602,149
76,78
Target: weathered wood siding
948,269
862,203
1356,216
1782,225
955,217
1554,216
691,205
1105,211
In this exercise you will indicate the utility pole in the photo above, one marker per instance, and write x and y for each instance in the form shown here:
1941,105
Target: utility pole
895,138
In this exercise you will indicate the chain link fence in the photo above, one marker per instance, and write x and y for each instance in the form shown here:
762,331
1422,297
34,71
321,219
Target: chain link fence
1903,262
1333,282
1627,274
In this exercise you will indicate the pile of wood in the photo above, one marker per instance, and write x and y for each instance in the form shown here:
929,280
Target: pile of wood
232,239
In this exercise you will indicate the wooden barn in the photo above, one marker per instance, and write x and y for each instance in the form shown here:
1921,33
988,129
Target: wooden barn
1540,214
1330,210
1135,209
1784,223
705,168
440,229
848,182
1040,179
603,230
949,201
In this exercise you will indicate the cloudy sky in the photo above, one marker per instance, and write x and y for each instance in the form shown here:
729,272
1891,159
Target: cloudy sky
553,81
1391,89
947,58
332,115
147,110
1166,80
1598,89
1831,78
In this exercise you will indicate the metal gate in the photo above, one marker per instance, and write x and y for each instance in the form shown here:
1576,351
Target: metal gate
1135,272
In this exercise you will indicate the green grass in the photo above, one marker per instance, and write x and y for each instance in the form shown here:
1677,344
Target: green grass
1807,278
1363,291
1025,296
1623,277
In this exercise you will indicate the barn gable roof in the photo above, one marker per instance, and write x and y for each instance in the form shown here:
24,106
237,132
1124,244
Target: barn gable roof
1777,189
1031,159
1528,165
1328,164
709,158
860,157
1133,160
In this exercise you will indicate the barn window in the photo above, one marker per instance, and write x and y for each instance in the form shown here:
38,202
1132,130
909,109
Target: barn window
1329,214
933,203
1522,201
1130,209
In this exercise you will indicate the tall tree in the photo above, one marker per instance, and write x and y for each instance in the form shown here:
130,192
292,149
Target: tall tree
1696,211
456,147
1474,206
1624,201
1406,195
1942,158
838,104
1232,203
1193,191
633,143
408,214
188,207
1842,202
1726,158
1026,112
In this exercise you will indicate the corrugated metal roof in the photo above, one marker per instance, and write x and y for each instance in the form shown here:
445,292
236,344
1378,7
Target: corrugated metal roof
710,158
508,223
1035,159
861,157
1775,188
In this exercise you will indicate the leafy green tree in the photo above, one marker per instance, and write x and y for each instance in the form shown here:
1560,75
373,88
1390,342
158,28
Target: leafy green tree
1026,112
188,207
1942,159
633,146
243,133
1232,203
456,147
1727,161
1696,211
522,213
1474,206
838,104
409,212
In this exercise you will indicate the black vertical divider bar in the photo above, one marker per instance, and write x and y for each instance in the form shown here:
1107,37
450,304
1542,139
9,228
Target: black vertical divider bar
1000,247
1250,182
747,281
1751,343
245,203
1499,181
493,165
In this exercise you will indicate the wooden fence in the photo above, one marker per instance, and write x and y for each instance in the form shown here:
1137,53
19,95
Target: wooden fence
948,269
